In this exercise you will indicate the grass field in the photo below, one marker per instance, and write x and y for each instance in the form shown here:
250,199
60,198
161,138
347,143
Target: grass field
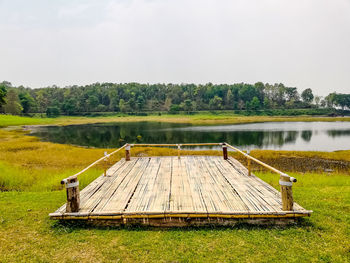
26,233
9,120
30,172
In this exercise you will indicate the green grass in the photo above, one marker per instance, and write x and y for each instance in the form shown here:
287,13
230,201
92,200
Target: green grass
27,234
13,178
200,118
10,120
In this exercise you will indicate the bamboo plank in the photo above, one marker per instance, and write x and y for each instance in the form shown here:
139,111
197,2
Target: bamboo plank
181,195
216,185
107,188
144,192
159,201
235,203
117,200
202,184
98,182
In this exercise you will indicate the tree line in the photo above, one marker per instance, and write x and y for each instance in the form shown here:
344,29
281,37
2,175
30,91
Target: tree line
136,97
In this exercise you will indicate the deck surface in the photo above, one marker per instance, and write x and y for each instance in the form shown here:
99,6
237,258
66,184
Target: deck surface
195,186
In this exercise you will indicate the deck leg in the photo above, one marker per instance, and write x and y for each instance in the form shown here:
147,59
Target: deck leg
73,195
286,193
224,151
105,165
127,152
249,161
249,167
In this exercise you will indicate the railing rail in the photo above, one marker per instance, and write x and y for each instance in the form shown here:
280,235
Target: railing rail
99,160
285,182
292,179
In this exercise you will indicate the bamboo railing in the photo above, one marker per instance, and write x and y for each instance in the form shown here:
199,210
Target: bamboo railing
286,181
72,183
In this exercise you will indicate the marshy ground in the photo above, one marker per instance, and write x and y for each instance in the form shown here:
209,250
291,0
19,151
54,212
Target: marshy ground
30,174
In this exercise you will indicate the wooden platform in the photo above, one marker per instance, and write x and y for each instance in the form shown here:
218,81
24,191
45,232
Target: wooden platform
170,191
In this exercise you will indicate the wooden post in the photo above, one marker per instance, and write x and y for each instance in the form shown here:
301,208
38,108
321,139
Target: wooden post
127,152
249,165
224,151
73,195
178,150
105,164
287,192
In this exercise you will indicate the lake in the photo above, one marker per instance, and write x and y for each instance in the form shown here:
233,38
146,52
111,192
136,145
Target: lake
303,136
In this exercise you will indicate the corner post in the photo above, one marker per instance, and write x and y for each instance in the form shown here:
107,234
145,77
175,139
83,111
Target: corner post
224,151
73,195
127,152
249,164
286,183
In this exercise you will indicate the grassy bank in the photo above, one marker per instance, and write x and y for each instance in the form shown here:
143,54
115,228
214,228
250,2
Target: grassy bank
29,164
26,233
11,120
30,172
8,120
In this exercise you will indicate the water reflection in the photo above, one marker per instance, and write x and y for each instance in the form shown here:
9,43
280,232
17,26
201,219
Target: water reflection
287,135
306,135
335,133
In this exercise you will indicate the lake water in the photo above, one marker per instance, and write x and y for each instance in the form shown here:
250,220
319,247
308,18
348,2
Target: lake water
308,136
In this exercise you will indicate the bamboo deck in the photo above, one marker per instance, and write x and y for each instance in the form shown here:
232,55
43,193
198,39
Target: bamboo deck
169,191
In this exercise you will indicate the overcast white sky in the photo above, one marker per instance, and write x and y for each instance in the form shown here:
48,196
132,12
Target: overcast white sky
302,43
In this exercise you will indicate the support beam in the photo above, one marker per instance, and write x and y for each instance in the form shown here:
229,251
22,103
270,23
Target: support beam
73,195
287,192
127,152
224,151
105,164
249,167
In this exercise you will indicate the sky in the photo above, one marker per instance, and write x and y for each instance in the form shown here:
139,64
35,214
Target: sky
301,43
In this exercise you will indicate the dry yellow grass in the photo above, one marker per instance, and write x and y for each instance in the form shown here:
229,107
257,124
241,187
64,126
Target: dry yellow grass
27,163
8,120
193,119
271,154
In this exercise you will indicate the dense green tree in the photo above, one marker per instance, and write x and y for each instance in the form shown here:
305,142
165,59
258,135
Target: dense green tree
92,102
122,105
140,102
52,112
187,105
13,105
215,103
292,94
230,99
260,89
340,100
167,104
255,103
317,101
3,92
174,108
247,93
69,106
307,96
27,101
267,103
126,97
42,99
247,105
